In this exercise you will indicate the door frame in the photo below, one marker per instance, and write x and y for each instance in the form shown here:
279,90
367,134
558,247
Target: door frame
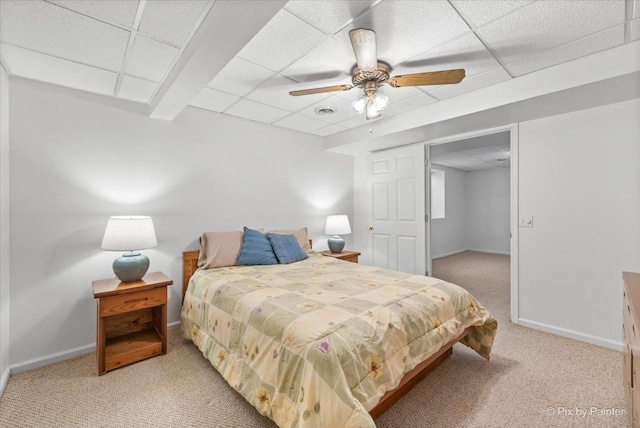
514,208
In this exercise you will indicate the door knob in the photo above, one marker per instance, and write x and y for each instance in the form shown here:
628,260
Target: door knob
370,227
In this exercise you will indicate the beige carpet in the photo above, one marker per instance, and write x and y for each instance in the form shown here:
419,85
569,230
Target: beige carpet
529,372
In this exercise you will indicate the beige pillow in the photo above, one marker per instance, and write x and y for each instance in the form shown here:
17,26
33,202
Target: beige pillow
301,236
220,249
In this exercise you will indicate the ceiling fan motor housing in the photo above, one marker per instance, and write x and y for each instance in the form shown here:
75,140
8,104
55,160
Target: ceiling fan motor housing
379,77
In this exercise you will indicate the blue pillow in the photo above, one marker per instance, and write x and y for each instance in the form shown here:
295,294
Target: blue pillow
256,249
286,248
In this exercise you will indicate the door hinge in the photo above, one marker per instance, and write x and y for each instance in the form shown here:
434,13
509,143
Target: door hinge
426,273
426,161
426,218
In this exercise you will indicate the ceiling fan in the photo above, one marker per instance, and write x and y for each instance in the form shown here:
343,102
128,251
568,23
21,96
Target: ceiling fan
369,74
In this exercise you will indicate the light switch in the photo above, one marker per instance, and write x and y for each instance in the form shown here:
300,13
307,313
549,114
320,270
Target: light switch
526,221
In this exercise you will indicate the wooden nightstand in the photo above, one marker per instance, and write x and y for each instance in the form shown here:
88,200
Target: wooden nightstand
132,320
349,256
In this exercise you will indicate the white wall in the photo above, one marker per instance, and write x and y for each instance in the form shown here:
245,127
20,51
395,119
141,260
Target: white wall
488,208
4,228
448,234
75,163
580,180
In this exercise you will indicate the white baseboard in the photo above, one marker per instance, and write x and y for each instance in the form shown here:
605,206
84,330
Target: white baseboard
452,253
479,250
571,334
45,360
4,379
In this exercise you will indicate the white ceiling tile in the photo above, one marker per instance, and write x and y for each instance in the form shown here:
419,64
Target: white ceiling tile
171,21
407,28
239,77
342,110
394,94
255,111
210,99
487,154
328,16
479,12
449,165
49,69
569,51
283,40
472,83
328,64
121,12
546,24
150,59
328,130
635,29
358,121
465,52
275,92
408,104
300,123
136,89
46,28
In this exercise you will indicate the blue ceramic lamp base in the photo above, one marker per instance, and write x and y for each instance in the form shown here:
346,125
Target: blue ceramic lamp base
131,267
336,244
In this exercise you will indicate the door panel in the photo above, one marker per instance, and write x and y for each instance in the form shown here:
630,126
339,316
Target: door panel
381,251
396,192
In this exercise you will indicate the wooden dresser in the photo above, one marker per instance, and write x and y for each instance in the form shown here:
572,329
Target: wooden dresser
631,338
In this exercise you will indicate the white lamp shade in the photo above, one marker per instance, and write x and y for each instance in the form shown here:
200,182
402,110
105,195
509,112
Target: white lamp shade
129,233
337,225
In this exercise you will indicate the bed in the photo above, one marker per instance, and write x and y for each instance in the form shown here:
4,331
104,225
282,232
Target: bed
324,342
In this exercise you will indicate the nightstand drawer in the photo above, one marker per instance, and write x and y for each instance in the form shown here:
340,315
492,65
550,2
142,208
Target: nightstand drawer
133,301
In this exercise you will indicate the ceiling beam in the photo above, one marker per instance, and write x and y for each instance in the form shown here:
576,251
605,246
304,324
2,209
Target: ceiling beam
227,28
597,79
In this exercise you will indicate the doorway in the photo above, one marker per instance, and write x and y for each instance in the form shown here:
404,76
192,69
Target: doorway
472,202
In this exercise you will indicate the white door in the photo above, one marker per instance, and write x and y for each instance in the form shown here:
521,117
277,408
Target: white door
396,209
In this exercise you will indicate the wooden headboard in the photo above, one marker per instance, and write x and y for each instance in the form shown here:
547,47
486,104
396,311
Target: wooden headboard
190,265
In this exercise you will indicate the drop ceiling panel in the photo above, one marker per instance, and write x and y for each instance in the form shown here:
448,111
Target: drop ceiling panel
171,21
328,16
46,28
569,51
342,110
239,77
210,99
150,60
136,89
275,92
465,52
407,28
256,111
357,121
449,165
329,63
408,104
480,12
121,12
472,83
300,123
49,69
328,130
487,154
544,25
282,41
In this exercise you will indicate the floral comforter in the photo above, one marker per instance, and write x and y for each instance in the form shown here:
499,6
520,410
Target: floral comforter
317,343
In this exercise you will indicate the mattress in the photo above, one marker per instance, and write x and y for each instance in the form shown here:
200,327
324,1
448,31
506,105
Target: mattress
319,342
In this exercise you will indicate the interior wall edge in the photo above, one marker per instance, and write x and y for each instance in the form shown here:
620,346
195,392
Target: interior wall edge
572,334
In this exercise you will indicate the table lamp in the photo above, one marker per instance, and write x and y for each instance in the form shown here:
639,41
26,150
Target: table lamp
129,233
337,225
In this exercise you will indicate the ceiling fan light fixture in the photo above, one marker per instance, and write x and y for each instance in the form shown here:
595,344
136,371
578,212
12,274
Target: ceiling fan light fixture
359,104
372,111
380,100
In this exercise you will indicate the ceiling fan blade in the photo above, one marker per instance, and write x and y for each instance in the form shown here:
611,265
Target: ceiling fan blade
364,46
444,77
321,90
